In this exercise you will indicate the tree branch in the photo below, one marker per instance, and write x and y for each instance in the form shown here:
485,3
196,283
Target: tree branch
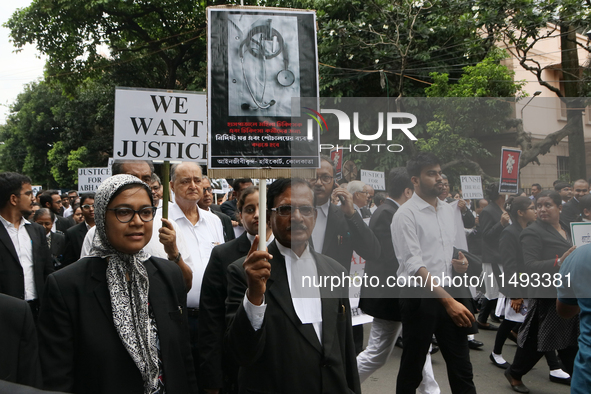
532,150
470,163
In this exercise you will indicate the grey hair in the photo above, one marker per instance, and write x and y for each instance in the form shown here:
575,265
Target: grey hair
175,166
355,186
44,211
117,167
156,178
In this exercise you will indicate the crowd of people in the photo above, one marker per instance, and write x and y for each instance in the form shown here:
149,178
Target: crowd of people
101,294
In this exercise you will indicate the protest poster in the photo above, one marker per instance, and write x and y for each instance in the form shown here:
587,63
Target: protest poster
259,60
337,158
89,179
154,124
581,233
375,179
471,186
357,271
509,183
36,189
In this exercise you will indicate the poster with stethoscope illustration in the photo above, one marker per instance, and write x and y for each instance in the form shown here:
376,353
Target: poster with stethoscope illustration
259,60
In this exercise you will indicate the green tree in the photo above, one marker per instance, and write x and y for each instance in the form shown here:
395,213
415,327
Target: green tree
382,48
469,112
523,24
148,43
48,135
30,132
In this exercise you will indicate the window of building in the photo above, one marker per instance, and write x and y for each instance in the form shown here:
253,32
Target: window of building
562,165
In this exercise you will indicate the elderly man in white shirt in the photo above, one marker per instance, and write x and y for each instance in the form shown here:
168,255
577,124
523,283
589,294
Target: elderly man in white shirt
201,229
423,244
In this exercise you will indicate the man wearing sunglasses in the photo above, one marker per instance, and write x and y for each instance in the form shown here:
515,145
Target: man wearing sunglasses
272,308
75,235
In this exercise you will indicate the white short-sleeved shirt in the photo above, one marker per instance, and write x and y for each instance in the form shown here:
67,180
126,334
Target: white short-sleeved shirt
201,238
423,237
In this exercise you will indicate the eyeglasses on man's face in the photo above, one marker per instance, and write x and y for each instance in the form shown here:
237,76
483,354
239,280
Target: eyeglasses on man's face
288,210
323,178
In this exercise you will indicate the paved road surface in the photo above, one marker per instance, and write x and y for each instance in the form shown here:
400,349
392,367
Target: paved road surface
487,378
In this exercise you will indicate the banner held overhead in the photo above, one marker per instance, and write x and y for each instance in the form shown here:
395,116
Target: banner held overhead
260,59
160,125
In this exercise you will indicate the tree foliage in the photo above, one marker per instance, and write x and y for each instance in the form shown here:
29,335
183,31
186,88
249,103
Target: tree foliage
50,135
479,104
148,43
367,48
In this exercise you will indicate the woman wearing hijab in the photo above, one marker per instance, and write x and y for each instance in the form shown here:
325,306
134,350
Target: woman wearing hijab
113,322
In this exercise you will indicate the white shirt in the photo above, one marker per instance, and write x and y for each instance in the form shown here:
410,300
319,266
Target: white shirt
308,309
394,201
53,226
24,250
320,227
251,238
68,212
201,238
238,230
154,247
423,237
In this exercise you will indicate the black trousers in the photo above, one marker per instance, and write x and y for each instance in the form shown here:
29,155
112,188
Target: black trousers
528,356
421,318
193,334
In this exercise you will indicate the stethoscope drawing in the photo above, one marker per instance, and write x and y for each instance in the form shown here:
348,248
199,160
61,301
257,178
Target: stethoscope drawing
254,43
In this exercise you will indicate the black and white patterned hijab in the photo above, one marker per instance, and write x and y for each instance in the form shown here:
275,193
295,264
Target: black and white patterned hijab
129,298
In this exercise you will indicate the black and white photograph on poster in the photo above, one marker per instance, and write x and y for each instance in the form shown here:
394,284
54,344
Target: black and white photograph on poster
263,69
259,61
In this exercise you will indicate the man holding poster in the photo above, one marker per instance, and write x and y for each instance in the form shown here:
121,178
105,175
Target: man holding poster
287,336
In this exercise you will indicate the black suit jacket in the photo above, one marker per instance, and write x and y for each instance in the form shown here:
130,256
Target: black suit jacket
384,305
12,278
468,219
81,351
226,224
74,241
345,235
57,248
285,356
542,245
229,208
571,212
512,257
212,311
63,224
19,357
491,227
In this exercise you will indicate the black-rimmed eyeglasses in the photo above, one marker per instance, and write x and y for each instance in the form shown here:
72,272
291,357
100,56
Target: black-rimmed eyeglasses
125,215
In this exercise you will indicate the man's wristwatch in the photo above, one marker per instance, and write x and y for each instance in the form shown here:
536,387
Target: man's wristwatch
177,258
